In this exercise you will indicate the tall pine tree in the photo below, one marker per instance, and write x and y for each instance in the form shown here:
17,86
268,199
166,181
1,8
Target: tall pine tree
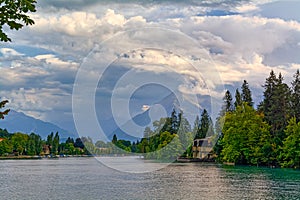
276,104
205,128
196,126
238,99
246,94
296,96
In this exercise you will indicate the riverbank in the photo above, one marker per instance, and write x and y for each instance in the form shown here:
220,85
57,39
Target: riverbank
20,157
23,157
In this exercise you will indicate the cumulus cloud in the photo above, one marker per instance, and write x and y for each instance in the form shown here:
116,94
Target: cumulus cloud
235,47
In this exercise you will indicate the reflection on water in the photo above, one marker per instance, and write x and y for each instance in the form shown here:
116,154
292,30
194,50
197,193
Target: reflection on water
86,178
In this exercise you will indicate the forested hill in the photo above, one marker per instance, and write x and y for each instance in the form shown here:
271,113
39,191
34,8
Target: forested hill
19,122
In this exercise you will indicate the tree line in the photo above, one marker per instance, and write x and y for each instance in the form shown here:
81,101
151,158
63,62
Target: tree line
267,135
20,144
170,137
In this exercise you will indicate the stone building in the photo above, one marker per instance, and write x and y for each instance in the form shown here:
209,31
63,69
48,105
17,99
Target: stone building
202,148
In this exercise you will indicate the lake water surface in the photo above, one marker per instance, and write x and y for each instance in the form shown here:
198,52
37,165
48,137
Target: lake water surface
87,178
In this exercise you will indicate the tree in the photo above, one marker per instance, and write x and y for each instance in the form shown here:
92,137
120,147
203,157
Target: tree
246,94
34,144
19,142
174,122
228,102
296,96
6,147
2,105
238,99
147,132
13,14
78,143
55,144
100,144
115,139
226,107
276,105
205,128
69,140
169,148
246,137
49,141
185,133
196,126
290,155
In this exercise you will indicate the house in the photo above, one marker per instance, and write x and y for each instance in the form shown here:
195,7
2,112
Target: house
202,148
46,149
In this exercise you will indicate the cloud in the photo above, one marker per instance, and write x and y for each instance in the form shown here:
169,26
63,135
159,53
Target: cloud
286,10
145,107
8,53
235,47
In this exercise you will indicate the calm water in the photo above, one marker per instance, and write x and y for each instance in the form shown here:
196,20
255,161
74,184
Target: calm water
86,178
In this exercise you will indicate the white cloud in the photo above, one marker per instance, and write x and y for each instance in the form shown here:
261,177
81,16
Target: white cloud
240,46
145,107
9,52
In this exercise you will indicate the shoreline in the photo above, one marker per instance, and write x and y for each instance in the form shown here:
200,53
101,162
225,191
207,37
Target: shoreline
40,157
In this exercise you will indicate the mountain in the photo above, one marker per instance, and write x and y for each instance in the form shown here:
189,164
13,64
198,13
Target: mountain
136,124
143,119
19,122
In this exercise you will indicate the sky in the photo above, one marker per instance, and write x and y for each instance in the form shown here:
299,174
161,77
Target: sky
90,60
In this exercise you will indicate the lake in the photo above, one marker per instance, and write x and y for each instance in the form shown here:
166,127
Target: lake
87,178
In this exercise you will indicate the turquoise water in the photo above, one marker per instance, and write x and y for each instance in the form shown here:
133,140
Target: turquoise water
86,178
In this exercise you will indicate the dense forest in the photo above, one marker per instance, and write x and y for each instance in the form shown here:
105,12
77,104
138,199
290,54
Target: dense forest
268,135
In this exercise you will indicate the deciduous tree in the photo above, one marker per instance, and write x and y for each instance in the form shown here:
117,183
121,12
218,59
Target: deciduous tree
13,14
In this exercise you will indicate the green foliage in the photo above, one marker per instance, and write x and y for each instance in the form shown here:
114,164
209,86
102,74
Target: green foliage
78,143
34,144
4,133
185,133
6,147
246,94
296,96
276,105
5,112
13,14
246,136
55,144
238,99
290,155
197,124
70,140
19,142
205,126
115,139
227,107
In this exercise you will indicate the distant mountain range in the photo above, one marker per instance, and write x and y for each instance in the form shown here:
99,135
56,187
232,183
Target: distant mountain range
19,122
169,103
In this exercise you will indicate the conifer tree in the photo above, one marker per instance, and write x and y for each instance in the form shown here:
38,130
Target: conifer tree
226,107
228,101
276,104
205,128
196,126
238,99
296,96
246,94
174,122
